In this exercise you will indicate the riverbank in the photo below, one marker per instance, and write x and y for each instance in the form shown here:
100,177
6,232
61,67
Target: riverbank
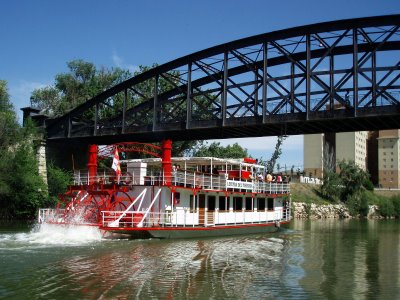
307,204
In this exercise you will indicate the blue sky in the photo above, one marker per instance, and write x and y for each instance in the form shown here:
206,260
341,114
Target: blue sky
39,37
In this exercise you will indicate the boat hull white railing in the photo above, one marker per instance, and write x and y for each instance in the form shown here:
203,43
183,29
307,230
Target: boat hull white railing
187,179
187,218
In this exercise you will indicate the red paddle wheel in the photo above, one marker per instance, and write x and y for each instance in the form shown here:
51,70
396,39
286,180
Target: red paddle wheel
84,204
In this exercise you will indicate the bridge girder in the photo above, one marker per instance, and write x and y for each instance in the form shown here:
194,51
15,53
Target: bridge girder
327,77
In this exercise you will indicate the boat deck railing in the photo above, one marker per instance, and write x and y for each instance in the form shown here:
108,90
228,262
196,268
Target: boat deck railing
186,179
50,215
188,218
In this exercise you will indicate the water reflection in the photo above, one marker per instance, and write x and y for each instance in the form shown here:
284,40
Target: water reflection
351,258
311,260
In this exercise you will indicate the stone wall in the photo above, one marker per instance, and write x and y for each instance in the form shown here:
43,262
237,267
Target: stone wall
303,210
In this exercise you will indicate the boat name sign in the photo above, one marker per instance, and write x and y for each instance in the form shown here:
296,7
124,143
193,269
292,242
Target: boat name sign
239,184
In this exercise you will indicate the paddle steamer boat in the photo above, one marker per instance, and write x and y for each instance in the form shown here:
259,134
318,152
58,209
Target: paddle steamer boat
167,197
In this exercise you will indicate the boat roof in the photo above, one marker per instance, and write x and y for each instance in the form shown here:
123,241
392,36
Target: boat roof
197,161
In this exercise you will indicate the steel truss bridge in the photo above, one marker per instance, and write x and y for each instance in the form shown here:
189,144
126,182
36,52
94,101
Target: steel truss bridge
327,77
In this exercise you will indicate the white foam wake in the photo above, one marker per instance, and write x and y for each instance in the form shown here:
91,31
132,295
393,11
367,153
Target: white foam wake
52,234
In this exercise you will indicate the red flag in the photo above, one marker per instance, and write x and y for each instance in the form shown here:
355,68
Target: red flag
115,164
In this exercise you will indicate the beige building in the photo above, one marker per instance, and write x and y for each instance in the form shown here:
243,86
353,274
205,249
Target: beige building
353,146
346,145
388,158
313,154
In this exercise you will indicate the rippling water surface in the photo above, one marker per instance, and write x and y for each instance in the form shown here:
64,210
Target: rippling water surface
308,260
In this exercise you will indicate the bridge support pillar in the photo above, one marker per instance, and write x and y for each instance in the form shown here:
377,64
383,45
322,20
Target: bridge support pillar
166,161
41,159
92,163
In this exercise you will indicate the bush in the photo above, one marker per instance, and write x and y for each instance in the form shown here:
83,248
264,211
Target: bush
368,184
58,181
331,189
357,204
386,208
25,190
396,205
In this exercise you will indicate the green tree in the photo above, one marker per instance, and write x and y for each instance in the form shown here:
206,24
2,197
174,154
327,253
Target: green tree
81,83
331,189
349,186
22,190
353,178
58,181
27,189
270,164
8,120
216,150
396,205
357,203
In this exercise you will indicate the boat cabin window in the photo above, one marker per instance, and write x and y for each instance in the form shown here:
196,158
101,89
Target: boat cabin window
237,203
260,204
248,203
270,204
177,198
223,203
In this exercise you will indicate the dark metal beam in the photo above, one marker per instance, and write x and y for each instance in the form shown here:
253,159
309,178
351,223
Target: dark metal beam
225,89
355,72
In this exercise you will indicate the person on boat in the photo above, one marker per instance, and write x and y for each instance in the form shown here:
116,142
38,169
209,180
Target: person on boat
268,178
279,178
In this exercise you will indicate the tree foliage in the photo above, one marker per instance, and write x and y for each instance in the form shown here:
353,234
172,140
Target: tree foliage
8,120
348,185
26,190
58,181
216,150
331,187
82,82
270,164
22,190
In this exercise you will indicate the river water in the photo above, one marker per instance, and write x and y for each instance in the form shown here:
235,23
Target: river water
331,259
